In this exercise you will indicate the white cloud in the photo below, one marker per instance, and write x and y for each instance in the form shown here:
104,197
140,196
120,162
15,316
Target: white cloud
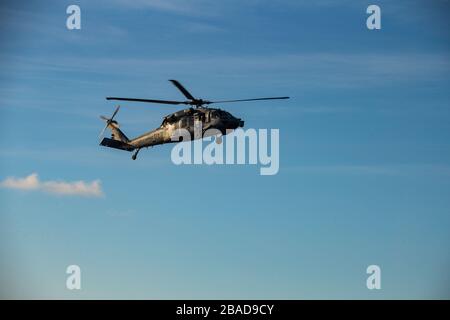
28,183
73,188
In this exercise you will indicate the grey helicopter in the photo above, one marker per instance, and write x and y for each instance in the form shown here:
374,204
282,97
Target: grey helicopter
211,118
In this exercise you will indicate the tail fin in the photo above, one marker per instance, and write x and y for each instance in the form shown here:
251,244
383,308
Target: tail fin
118,139
116,133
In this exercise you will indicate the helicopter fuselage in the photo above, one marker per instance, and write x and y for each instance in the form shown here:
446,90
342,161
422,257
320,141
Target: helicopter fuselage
210,118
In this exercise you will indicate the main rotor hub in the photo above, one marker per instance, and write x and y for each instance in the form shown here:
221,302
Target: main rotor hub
198,102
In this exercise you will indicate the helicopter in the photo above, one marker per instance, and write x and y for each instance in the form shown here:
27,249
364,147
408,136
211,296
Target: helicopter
210,118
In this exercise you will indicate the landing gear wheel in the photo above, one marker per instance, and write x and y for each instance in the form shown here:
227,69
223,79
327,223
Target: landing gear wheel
134,156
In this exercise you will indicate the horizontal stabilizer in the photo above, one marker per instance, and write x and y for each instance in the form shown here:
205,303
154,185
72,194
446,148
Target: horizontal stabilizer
116,144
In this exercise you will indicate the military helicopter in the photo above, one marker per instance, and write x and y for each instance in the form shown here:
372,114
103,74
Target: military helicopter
211,118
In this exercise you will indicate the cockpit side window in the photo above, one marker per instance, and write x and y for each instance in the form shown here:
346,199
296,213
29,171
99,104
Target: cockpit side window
167,120
214,114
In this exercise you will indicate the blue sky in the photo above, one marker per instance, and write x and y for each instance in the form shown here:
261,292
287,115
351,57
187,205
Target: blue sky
364,150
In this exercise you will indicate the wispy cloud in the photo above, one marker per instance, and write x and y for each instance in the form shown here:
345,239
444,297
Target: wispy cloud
303,69
206,7
194,7
371,169
346,169
73,188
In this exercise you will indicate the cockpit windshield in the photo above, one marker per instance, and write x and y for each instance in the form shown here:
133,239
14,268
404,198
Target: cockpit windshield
168,120
226,115
220,114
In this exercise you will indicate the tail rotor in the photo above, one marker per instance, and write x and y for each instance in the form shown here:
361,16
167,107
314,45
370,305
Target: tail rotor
109,121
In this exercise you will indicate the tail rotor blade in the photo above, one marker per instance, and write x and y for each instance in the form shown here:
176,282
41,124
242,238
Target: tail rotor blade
109,121
115,112
103,131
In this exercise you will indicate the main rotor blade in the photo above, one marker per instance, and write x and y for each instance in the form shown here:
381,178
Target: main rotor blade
104,118
147,100
225,101
182,89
